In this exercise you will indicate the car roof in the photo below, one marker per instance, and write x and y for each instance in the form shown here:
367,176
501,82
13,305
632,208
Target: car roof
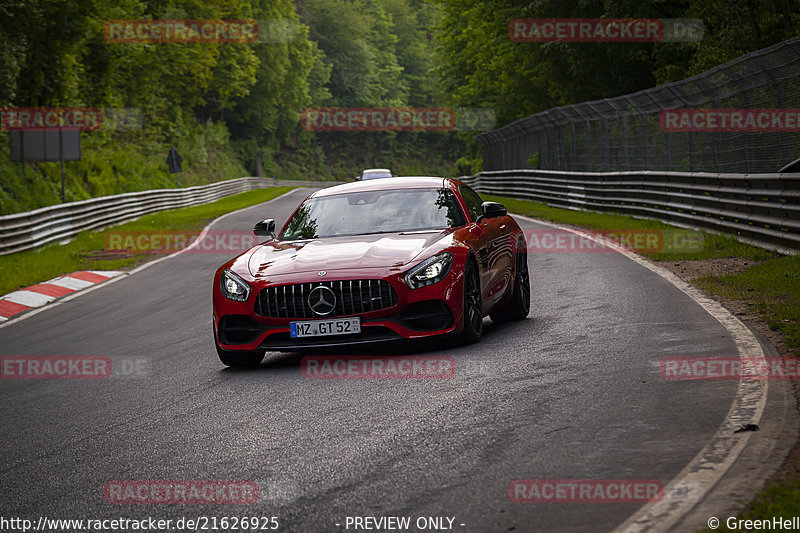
404,182
376,170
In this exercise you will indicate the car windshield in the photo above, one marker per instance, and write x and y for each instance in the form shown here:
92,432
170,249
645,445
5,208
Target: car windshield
370,212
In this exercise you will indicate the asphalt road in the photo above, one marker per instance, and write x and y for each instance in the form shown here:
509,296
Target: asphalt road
573,392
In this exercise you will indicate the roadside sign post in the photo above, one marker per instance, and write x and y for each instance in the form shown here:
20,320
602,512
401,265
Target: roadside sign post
174,161
61,159
45,145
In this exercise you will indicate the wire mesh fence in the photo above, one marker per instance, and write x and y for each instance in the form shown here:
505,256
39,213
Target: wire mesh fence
630,133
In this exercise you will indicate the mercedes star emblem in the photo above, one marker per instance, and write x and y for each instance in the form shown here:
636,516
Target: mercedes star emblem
322,300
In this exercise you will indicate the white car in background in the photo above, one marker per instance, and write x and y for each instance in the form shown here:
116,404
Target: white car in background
372,173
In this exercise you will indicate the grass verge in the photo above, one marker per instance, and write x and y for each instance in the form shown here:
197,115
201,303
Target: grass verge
774,501
770,288
87,250
679,244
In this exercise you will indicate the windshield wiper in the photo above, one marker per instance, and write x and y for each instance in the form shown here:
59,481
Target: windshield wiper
400,231
379,232
404,231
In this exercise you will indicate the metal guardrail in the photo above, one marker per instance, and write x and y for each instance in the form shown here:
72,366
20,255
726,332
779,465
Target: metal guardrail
760,209
24,231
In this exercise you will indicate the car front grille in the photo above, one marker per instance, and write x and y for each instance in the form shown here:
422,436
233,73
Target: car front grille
352,297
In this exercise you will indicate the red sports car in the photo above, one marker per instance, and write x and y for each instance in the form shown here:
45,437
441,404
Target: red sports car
373,261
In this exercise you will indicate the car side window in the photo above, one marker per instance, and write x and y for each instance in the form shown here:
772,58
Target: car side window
473,202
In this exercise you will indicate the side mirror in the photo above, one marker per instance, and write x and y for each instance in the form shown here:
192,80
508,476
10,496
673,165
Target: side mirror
265,228
493,210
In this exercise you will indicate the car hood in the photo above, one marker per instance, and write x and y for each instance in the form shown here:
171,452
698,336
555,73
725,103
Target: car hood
276,258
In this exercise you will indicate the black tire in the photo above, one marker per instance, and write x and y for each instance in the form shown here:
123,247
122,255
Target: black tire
473,305
238,359
520,304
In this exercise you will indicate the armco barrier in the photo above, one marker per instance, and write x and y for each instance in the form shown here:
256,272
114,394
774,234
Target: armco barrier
761,209
24,231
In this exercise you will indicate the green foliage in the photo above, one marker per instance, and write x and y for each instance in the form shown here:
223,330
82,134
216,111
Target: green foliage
359,44
771,289
466,166
773,501
479,64
109,166
220,104
734,29
675,244
341,156
372,54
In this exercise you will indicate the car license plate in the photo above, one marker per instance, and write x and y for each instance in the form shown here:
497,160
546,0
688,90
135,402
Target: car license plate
319,328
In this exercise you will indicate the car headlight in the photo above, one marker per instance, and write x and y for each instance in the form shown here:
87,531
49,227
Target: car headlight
430,271
234,287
